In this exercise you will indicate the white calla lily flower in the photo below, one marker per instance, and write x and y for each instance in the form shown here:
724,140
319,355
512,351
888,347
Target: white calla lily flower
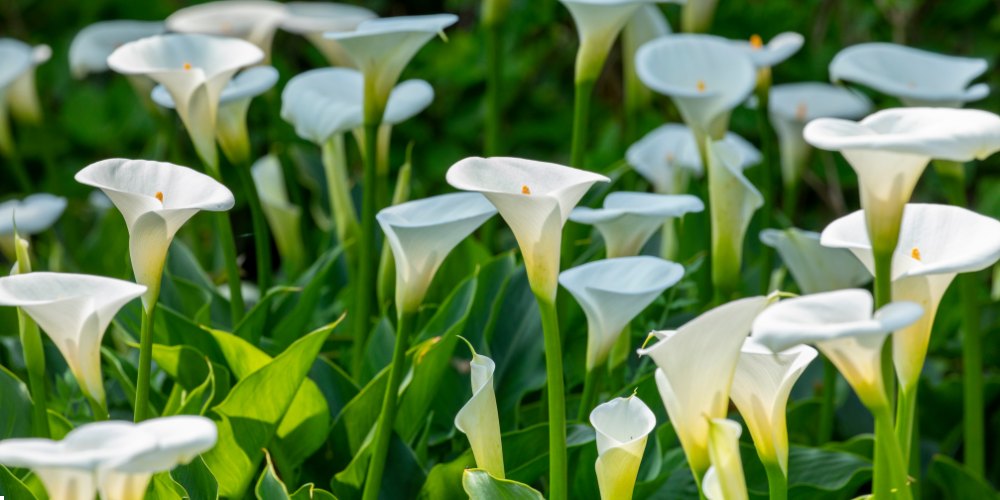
709,344
917,77
761,387
74,310
34,214
194,69
535,199
629,219
598,23
622,426
252,20
792,105
15,60
668,155
705,76
282,215
646,24
734,199
478,419
381,48
613,292
815,268
890,149
421,233
313,19
92,45
21,94
776,51
844,327
156,199
725,479
936,243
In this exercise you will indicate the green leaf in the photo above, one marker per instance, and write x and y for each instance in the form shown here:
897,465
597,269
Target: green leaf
162,487
954,482
58,425
197,480
402,479
293,322
12,487
480,485
269,486
815,470
311,492
15,419
444,481
249,417
255,322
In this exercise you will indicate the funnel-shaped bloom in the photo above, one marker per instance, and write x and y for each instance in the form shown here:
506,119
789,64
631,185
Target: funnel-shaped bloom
668,156
936,242
842,325
69,469
761,386
194,69
535,199
252,20
622,426
629,219
791,106
381,49
709,345
705,76
733,202
234,101
815,268
613,292
74,310
725,479
92,45
283,216
313,19
890,149
156,199
774,52
21,94
646,24
917,77
32,215
479,419
15,60
421,233
598,23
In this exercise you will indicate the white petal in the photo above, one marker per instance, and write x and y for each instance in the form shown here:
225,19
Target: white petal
663,154
629,219
318,17
815,267
248,84
252,20
727,481
776,51
92,45
598,23
622,426
15,60
32,215
407,100
734,199
478,418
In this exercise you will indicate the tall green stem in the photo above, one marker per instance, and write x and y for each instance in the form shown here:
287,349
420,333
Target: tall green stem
906,408
556,399
345,218
34,354
365,277
894,480
145,363
387,417
589,398
261,237
766,177
581,116
382,166
777,482
884,431
494,58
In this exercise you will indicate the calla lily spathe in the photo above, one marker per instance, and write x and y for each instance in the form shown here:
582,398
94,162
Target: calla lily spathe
478,419
936,243
421,233
792,105
734,200
646,24
774,52
92,45
815,268
890,149
843,326
612,292
74,310
917,77
761,386
709,345
313,19
283,216
194,69
381,49
21,93
629,219
252,20
34,214
598,23
16,62
622,426
724,479
705,76
156,199
535,199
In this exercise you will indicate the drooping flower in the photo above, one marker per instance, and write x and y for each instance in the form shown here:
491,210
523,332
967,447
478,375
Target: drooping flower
612,292
724,479
917,77
92,45
890,149
710,345
535,199
283,216
791,106
774,52
622,426
421,233
252,20
313,19
478,419
34,214
936,243
761,386
815,268
156,199
629,219
194,69
734,199
705,76
74,310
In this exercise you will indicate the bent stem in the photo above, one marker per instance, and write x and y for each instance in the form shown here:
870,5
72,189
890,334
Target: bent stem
581,116
777,482
364,286
556,398
261,237
387,416
145,362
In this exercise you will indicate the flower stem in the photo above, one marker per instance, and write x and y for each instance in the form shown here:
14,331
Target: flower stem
828,404
494,61
345,218
556,398
261,239
34,354
766,179
589,398
382,166
97,408
906,432
581,116
894,480
365,277
145,363
387,417
884,432
777,481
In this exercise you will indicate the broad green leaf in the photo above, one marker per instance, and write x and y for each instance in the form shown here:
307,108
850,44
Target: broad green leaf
517,348
193,402
402,479
954,482
15,418
444,481
58,425
255,322
480,485
162,487
184,364
269,486
12,487
311,492
295,321
197,480
815,470
336,385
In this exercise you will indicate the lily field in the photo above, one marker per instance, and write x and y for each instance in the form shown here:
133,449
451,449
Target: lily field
499,249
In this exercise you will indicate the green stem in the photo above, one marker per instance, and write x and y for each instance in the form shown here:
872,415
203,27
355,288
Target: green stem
906,432
589,398
766,180
556,399
581,116
777,482
145,363
261,239
382,166
364,286
894,479
228,242
387,416
494,58
884,432
342,211
972,375
828,405
34,353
